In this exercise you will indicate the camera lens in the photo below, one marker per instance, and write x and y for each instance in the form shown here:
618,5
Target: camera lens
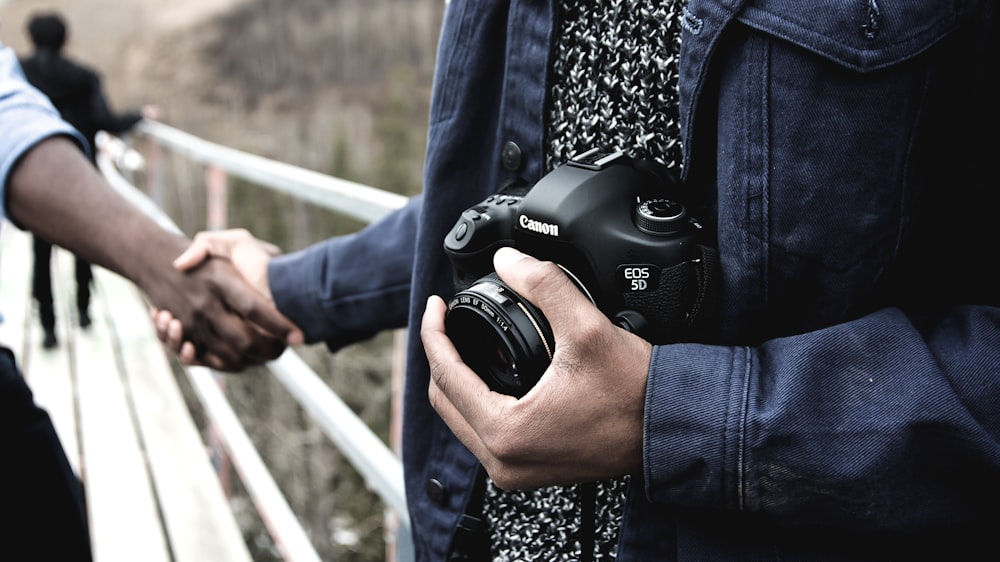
500,335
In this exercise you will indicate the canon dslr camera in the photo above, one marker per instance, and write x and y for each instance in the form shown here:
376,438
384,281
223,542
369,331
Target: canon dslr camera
615,225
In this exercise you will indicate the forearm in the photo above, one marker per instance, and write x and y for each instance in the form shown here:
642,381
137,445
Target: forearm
58,194
347,289
55,192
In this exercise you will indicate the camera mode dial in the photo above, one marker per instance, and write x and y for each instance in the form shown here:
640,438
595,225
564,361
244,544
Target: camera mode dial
660,216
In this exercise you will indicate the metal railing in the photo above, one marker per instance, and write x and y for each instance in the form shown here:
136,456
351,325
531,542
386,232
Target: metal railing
376,462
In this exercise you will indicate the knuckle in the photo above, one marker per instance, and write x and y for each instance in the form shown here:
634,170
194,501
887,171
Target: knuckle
504,442
509,477
541,271
247,346
501,476
590,328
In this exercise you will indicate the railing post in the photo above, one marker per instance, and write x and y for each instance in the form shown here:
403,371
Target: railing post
215,182
154,165
398,541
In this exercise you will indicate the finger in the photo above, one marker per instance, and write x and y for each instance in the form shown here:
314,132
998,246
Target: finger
227,343
508,467
161,322
169,330
188,353
271,249
564,304
236,236
171,333
254,307
454,420
531,277
211,243
251,345
196,253
219,364
219,324
245,300
175,334
459,384
236,343
222,242
154,315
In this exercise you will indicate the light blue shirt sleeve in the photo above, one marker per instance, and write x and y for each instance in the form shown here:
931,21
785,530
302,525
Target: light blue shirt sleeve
26,118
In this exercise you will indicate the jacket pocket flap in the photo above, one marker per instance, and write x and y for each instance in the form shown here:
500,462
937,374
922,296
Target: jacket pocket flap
862,35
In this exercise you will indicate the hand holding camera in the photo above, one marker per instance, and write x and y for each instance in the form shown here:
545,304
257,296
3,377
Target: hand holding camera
578,424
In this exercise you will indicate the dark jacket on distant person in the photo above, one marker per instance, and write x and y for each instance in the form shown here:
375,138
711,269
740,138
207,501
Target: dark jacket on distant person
74,89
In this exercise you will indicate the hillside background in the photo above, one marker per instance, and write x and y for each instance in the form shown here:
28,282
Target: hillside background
337,86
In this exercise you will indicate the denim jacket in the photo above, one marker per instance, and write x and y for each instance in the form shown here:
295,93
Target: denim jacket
848,406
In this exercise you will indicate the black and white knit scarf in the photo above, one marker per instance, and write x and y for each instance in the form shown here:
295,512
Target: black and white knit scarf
614,87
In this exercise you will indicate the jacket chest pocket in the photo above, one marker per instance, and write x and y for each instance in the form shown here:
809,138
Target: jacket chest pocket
819,105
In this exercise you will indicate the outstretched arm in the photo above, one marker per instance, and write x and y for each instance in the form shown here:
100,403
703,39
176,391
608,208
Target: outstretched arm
55,192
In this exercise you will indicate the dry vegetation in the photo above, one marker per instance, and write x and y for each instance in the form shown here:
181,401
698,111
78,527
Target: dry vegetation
339,86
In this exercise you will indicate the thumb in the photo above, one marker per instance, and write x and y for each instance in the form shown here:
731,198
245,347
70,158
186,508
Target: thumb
195,254
545,285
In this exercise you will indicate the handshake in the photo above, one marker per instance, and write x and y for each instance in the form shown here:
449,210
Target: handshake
263,333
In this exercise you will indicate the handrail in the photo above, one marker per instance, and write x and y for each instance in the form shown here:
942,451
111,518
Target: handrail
379,466
357,200
289,536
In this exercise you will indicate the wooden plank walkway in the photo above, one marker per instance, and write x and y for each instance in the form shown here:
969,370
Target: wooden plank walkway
152,494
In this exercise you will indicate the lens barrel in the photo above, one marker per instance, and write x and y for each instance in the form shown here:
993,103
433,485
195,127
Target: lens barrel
500,335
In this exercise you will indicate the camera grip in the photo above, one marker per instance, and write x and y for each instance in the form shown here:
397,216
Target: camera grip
685,306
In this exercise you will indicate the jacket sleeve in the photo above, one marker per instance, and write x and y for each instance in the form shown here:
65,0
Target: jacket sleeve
884,422
347,289
884,418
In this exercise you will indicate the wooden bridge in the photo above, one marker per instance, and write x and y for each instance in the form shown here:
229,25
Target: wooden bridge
114,396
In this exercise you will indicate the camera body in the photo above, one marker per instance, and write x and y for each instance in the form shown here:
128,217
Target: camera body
614,224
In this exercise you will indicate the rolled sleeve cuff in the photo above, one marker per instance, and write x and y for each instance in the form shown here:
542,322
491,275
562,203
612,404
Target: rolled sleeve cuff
296,293
24,127
325,291
695,411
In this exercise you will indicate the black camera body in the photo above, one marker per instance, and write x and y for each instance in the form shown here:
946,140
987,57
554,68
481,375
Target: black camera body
615,225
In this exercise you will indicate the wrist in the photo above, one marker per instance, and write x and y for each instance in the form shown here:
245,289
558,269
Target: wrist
151,265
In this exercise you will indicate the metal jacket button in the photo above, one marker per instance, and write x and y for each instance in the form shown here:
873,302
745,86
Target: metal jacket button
436,491
511,156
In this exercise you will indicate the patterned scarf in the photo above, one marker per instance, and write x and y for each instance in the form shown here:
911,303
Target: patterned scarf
615,87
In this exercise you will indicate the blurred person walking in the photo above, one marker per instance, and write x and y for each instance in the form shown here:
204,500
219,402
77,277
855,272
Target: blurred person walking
77,93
